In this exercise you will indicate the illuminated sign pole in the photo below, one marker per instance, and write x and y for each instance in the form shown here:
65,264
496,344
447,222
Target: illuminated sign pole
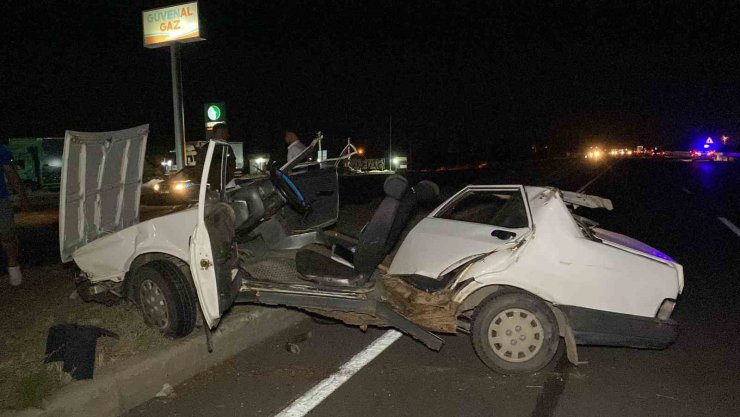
171,26
177,106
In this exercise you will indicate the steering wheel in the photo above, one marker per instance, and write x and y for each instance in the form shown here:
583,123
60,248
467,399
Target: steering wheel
289,191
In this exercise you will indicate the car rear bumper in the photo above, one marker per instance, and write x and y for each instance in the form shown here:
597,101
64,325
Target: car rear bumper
597,327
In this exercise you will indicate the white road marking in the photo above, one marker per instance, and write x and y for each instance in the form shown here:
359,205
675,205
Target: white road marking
323,389
580,190
729,225
686,190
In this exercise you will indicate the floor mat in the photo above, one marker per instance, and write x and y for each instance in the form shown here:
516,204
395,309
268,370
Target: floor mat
275,269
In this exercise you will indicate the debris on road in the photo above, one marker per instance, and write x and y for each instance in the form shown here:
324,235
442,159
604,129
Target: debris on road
292,345
75,345
166,391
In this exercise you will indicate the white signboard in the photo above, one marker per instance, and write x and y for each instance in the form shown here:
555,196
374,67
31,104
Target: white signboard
171,24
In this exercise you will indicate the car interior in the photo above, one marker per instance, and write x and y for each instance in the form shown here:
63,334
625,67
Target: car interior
259,233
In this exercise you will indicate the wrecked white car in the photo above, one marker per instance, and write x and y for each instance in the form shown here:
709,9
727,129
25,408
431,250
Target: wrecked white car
511,265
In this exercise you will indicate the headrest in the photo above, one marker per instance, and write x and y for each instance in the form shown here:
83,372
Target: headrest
426,192
395,186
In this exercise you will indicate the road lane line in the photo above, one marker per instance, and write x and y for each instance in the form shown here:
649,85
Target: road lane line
323,389
686,190
729,225
580,190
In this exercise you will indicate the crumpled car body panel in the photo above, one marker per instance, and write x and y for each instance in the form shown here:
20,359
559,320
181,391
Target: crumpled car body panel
109,257
556,261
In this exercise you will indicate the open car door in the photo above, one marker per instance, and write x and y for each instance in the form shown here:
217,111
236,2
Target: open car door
477,220
213,255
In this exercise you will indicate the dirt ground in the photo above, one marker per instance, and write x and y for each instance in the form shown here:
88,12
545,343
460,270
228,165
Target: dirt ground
46,298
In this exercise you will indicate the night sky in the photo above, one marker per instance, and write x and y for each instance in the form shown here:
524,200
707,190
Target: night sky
461,79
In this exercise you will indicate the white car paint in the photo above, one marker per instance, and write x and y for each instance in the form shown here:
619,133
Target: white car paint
201,256
555,261
108,258
99,206
422,254
100,185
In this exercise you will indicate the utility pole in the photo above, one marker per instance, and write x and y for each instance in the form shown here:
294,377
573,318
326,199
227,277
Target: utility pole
177,105
390,143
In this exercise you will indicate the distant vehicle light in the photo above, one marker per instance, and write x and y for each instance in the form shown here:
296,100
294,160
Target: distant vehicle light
182,185
156,187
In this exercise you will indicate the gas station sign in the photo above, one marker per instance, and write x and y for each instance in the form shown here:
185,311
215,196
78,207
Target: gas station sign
213,113
171,24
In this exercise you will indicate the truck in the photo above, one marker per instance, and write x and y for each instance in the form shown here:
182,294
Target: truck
38,160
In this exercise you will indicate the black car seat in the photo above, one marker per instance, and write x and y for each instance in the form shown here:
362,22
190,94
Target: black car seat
316,263
421,194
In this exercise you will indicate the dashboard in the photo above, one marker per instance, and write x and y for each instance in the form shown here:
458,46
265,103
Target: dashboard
253,201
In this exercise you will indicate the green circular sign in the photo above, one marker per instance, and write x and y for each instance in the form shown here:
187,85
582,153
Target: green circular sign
214,112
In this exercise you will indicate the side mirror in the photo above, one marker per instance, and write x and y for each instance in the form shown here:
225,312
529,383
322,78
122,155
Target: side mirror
503,234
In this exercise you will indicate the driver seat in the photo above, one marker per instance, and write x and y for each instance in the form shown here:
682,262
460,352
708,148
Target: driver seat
317,264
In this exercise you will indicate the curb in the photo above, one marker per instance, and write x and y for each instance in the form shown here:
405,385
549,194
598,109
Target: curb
138,379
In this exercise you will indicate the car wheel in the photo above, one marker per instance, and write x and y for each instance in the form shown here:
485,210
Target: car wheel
514,333
165,298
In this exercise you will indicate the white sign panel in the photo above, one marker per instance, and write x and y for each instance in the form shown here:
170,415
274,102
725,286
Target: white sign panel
171,24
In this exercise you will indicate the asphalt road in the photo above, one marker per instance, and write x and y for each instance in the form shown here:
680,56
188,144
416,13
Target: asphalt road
671,205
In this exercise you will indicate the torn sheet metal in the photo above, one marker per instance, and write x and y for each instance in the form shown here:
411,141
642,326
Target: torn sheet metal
586,200
434,311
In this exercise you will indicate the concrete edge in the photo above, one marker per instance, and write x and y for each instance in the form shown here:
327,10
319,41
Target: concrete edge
138,379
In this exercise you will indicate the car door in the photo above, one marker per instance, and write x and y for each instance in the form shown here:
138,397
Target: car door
213,256
320,188
475,221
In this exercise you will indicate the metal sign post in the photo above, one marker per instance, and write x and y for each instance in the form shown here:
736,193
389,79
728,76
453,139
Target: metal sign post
171,26
177,105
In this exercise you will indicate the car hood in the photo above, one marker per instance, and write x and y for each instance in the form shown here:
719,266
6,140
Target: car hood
100,185
629,243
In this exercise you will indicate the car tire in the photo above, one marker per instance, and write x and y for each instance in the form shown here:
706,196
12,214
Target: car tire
165,298
515,333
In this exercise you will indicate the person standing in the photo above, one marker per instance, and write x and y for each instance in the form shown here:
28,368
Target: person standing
8,236
295,146
221,132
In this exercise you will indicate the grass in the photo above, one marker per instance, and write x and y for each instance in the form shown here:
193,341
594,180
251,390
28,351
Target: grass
42,301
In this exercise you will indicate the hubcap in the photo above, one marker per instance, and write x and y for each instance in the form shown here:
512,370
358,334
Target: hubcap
515,335
153,304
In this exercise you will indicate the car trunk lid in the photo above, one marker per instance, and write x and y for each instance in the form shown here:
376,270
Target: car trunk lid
100,185
629,243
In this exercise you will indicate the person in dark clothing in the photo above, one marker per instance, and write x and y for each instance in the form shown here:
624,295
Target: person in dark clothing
8,236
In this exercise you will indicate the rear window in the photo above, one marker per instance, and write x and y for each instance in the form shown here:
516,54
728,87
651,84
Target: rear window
504,208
